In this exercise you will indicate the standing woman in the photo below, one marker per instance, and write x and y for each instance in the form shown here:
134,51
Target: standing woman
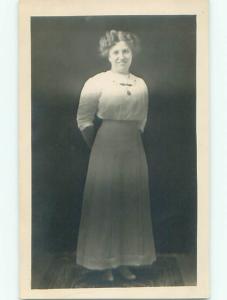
115,228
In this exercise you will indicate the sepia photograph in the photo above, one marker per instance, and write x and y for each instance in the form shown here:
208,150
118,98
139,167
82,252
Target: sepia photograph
111,132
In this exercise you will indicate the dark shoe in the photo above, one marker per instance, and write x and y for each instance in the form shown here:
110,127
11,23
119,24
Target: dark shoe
108,276
126,273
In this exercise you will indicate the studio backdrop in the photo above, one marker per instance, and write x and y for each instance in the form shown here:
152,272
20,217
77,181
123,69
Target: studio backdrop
64,55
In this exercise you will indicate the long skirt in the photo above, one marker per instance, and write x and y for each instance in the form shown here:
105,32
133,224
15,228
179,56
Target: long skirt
116,227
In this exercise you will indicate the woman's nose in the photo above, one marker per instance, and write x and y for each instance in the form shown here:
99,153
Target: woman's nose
121,55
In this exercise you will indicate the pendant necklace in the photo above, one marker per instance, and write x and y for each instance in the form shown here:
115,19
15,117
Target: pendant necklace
127,84
124,84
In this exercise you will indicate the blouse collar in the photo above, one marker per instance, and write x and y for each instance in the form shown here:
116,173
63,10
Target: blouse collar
122,78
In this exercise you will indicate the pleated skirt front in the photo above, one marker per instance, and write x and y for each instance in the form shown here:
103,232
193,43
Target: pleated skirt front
116,227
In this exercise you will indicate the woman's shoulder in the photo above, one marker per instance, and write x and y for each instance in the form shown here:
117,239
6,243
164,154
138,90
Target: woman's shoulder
139,80
94,82
97,77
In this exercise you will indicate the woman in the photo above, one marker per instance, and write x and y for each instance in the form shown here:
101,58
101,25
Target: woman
115,229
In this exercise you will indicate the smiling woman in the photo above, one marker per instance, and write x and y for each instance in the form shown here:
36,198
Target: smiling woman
115,228
120,57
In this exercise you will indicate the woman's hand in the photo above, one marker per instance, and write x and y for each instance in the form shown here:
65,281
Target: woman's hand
88,134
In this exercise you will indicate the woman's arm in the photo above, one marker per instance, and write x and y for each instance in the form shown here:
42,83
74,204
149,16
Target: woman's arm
87,109
88,134
145,100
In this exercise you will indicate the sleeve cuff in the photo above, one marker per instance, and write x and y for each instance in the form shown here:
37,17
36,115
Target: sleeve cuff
83,126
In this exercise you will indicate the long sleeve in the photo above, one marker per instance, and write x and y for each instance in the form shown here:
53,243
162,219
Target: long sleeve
88,103
145,101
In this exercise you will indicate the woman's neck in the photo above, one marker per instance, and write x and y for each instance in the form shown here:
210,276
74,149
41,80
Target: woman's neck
125,74
122,72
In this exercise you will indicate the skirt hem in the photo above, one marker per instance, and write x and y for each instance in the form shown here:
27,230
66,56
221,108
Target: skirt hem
112,263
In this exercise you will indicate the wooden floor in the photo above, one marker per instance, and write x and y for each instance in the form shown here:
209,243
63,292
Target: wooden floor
187,266
60,271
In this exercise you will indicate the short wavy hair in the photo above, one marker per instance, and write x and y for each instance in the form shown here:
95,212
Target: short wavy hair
112,37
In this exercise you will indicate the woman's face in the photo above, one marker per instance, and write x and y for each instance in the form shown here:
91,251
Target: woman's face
120,57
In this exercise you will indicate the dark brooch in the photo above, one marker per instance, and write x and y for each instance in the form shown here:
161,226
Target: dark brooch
127,84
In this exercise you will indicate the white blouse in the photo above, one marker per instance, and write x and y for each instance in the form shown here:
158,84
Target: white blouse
113,96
